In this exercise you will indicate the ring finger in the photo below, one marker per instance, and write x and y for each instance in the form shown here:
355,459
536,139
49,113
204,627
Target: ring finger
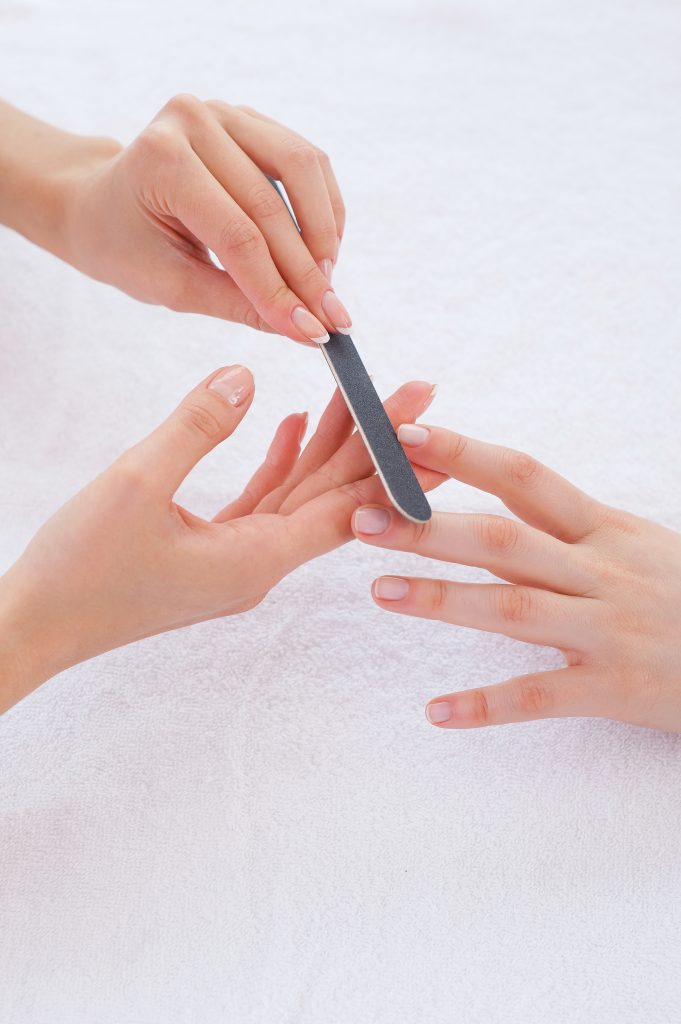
524,613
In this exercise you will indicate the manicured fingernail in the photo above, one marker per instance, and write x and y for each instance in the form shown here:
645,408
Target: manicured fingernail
412,434
336,312
372,520
438,712
429,399
391,588
326,267
303,428
234,384
309,325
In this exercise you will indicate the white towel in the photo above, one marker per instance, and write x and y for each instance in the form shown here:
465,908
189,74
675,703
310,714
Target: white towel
250,821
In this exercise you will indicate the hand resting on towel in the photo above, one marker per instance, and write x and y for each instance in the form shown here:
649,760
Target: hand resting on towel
602,585
144,217
122,560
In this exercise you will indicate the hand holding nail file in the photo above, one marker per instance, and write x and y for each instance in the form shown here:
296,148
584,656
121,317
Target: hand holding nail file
392,465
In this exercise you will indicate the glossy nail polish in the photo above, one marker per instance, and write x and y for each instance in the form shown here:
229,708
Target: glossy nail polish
336,312
309,325
234,384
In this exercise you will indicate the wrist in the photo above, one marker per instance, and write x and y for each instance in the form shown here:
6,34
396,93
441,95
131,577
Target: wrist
29,652
42,169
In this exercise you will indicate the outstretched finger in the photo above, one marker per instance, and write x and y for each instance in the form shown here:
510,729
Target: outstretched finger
529,489
524,613
562,693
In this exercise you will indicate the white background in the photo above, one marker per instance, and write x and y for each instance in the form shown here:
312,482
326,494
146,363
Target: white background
251,821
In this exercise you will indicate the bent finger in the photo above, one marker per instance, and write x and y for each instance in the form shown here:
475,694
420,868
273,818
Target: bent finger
280,458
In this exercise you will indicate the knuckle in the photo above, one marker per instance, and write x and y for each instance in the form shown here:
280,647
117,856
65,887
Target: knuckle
281,296
251,318
480,711
498,535
130,475
299,153
354,490
516,604
185,106
160,143
521,469
532,697
200,420
438,596
240,237
455,446
264,201
420,533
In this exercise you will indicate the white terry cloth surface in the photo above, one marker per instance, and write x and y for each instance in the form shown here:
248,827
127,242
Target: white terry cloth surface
250,820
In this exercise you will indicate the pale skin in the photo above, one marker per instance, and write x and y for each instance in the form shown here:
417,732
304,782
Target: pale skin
600,584
143,217
122,560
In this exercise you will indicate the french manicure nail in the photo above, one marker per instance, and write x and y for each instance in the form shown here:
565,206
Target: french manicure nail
412,434
372,520
326,267
391,588
233,385
303,428
309,325
336,312
429,400
438,712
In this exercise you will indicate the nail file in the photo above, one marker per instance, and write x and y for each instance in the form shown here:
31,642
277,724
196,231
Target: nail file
392,465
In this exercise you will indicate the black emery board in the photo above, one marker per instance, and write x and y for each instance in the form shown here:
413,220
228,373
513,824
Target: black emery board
392,465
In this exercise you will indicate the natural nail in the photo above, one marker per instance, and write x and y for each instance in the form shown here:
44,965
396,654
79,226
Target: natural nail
309,325
438,712
372,520
412,434
336,312
234,384
326,267
303,428
391,588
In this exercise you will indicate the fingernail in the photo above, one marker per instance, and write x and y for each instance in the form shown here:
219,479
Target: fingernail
372,520
336,312
234,384
326,267
391,588
429,399
309,325
303,428
438,712
412,434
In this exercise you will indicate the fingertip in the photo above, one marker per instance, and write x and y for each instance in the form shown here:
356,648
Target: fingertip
233,384
370,521
439,712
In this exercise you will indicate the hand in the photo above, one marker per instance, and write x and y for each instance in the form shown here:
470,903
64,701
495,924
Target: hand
122,560
602,585
144,217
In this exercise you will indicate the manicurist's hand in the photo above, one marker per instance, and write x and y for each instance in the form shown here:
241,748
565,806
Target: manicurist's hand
122,560
144,217
600,584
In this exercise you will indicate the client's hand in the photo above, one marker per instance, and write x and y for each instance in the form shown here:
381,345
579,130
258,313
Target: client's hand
600,584
122,560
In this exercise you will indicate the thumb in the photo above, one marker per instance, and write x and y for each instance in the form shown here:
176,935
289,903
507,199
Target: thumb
208,290
208,414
